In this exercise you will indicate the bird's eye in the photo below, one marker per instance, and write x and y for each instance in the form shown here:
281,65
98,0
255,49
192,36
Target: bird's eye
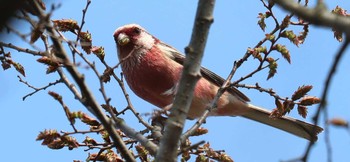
137,30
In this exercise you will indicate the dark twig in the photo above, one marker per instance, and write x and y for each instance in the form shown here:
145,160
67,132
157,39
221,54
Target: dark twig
194,146
37,89
20,49
88,2
130,106
322,106
320,16
65,108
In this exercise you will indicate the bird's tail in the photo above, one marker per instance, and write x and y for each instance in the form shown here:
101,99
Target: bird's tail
288,124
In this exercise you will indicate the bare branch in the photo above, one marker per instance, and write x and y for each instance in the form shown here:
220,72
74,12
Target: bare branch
20,49
37,89
189,77
88,2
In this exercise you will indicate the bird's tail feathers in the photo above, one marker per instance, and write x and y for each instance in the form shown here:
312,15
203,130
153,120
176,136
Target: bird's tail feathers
288,124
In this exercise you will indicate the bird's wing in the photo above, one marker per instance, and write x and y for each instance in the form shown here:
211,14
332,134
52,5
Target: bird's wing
207,74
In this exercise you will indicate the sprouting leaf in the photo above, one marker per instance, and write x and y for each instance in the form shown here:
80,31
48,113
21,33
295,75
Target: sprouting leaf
86,41
19,68
272,67
284,52
98,51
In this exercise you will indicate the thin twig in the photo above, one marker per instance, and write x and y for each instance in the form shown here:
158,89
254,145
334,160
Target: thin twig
37,89
210,107
130,105
20,49
88,2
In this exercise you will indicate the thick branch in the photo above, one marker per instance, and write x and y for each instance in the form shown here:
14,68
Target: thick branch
318,15
190,75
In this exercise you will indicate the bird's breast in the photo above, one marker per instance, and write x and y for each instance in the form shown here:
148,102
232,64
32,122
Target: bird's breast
152,76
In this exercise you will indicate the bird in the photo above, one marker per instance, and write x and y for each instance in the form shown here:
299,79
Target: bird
153,69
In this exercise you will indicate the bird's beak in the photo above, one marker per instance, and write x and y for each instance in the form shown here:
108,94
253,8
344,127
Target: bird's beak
123,39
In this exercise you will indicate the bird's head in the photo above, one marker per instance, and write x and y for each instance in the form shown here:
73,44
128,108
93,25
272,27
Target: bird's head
132,39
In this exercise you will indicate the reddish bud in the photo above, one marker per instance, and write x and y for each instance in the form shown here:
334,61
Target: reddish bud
90,141
302,110
255,54
275,113
51,69
106,77
86,41
301,92
339,11
96,157
85,118
36,32
18,67
279,106
224,158
288,106
5,65
71,142
112,157
66,25
48,61
337,35
143,153
56,96
309,100
105,136
99,52
56,144
47,135
200,131
339,122
109,107
302,35
270,37
285,22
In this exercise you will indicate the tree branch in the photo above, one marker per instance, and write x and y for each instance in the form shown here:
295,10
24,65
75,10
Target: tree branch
324,97
87,99
191,74
317,16
320,16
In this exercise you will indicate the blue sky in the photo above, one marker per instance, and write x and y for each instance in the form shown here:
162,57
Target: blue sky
233,31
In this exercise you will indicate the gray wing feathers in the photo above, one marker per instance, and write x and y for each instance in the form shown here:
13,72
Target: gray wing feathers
212,77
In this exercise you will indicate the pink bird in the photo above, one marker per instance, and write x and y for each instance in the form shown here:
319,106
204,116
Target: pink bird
152,70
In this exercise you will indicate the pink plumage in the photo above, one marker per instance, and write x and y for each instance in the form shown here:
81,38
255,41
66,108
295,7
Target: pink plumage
152,70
